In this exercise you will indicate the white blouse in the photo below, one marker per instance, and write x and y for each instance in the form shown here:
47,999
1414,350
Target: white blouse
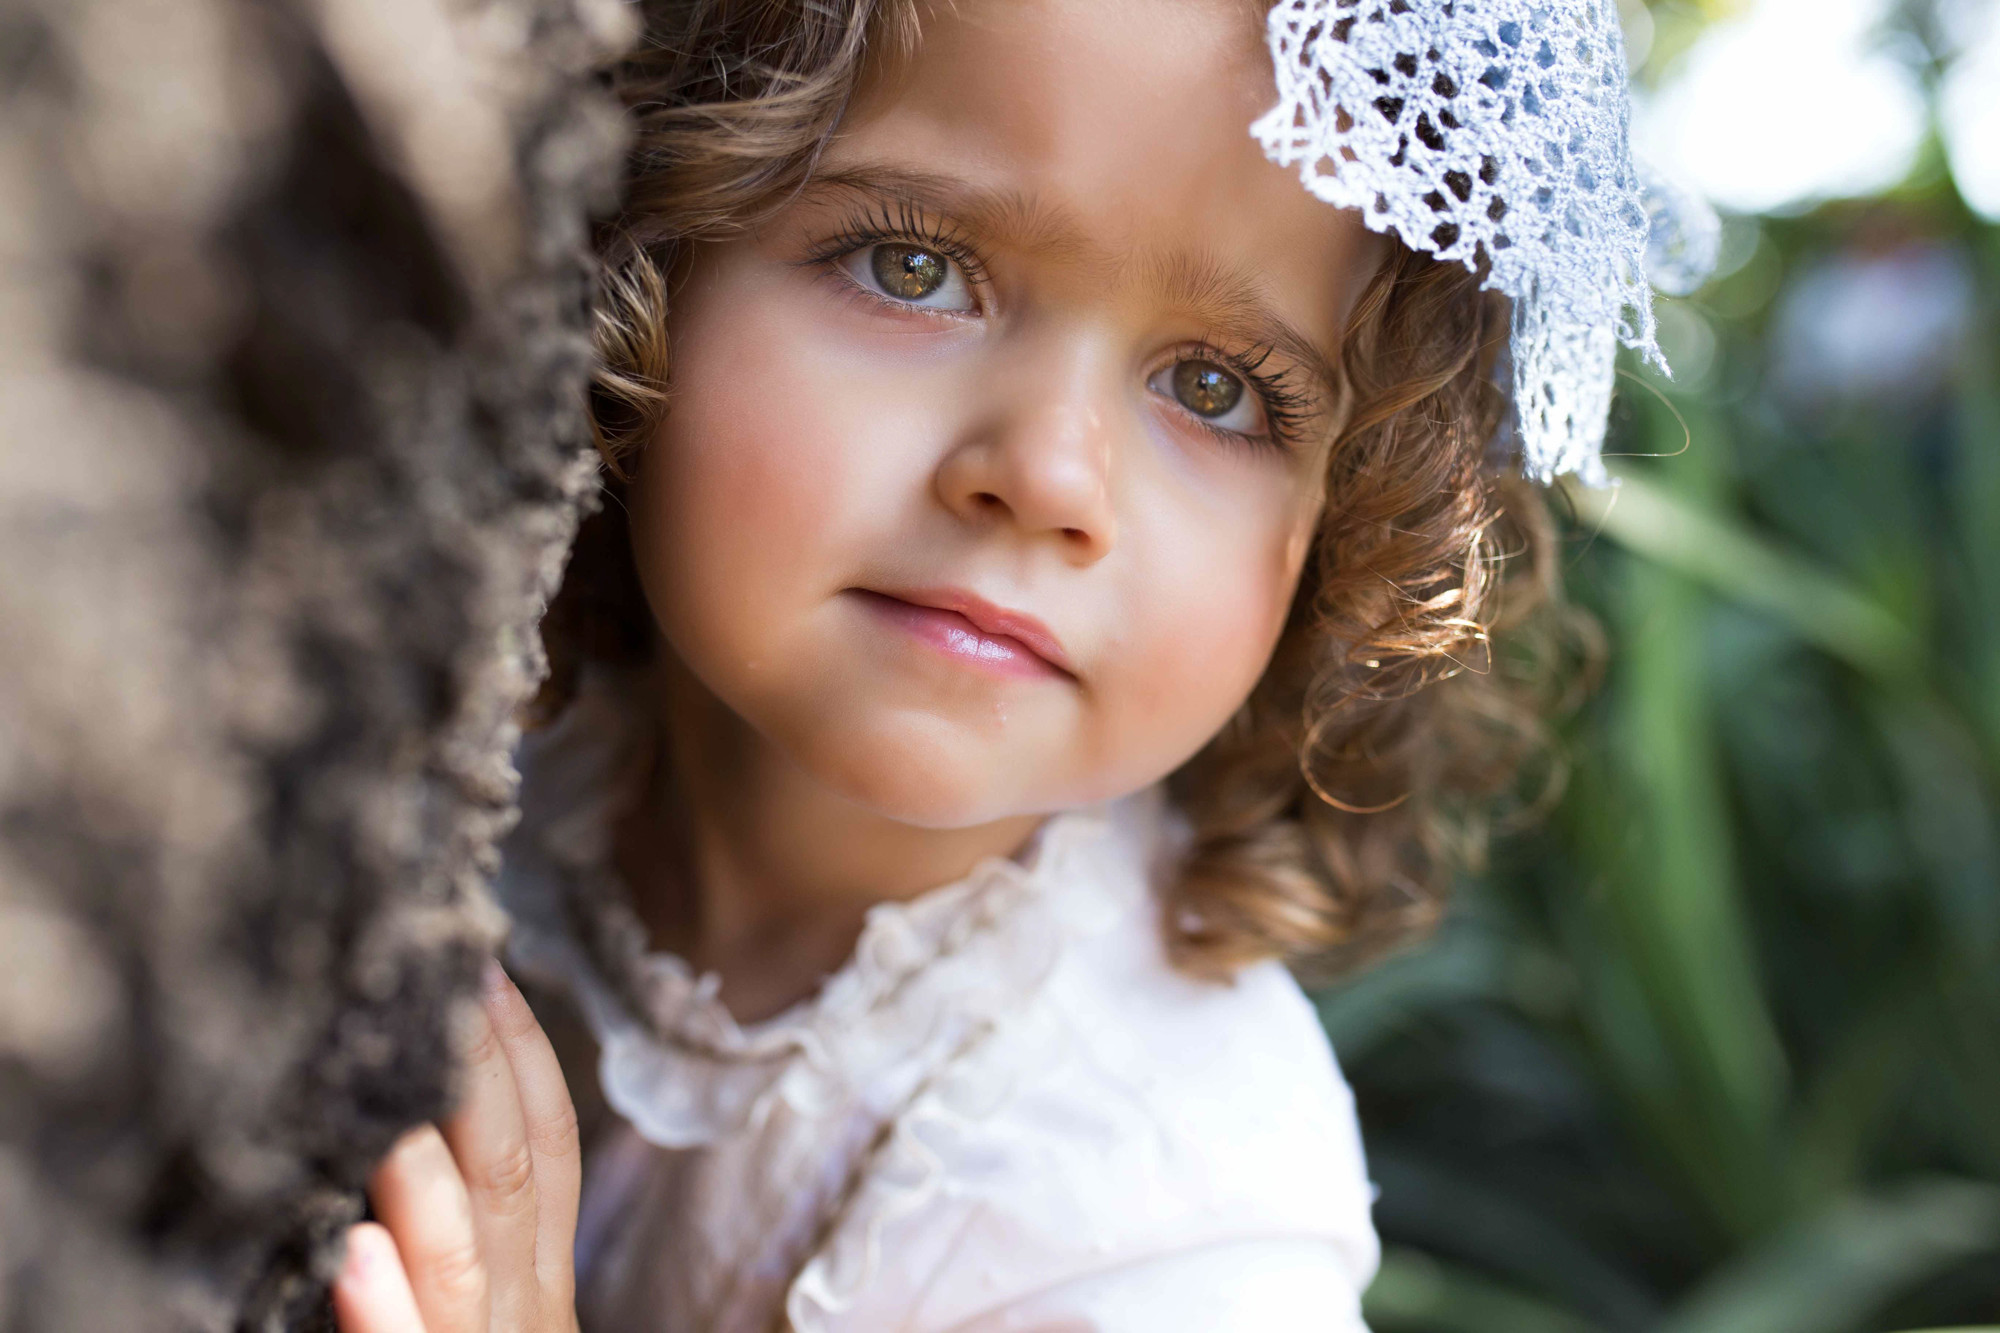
1006,1112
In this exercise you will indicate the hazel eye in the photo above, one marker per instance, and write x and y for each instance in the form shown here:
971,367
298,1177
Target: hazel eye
1212,392
1206,389
910,274
907,273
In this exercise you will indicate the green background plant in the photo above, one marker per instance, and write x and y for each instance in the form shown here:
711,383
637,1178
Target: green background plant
1717,1048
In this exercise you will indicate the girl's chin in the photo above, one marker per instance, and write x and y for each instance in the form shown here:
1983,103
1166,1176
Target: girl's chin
926,780
929,796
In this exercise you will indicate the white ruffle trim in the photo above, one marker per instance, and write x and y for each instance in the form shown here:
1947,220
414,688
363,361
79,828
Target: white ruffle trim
904,1176
986,985
899,1030
929,982
925,977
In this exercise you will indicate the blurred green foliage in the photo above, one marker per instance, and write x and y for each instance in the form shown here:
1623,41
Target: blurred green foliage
1717,1049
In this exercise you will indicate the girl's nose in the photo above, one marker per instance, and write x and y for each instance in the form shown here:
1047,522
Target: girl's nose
1042,465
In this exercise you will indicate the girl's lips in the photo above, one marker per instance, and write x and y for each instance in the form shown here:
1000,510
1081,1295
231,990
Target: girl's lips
974,631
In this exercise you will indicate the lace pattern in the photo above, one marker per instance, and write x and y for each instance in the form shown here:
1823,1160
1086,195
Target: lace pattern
1495,133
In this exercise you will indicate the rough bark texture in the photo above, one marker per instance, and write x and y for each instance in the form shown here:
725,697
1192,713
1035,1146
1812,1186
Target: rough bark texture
293,301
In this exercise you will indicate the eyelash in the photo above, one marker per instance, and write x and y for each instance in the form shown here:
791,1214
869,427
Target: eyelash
1287,408
900,220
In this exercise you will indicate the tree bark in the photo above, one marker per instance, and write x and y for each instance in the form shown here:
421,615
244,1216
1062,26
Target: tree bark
293,343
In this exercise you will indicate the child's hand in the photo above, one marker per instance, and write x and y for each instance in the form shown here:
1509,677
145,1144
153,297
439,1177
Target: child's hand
478,1222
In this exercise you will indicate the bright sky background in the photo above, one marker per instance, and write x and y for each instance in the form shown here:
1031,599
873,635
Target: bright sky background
1969,107
1795,101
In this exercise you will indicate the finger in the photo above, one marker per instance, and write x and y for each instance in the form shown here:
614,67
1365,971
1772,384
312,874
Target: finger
550,1119
420,1196
489,1139
372,1293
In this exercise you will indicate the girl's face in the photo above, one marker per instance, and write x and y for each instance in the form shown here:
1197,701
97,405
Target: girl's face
992,461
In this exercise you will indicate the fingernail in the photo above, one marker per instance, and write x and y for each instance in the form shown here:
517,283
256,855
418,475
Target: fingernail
361,1256
415,1141
498,985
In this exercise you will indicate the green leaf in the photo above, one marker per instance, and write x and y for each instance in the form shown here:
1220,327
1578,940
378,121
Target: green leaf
1461,962
1975,495
1832,1273
1850,1097
1678,908
1702,545
1510,1236
1413,1291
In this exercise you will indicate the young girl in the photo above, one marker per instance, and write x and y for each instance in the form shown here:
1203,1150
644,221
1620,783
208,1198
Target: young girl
1043,587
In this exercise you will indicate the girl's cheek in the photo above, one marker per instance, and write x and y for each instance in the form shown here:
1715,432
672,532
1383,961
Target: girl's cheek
749,419
755,467
720,515
1208,613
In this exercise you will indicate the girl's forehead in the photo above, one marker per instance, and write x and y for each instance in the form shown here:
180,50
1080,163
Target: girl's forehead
1113,132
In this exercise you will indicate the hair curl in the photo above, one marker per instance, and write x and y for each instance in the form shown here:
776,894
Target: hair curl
1331,812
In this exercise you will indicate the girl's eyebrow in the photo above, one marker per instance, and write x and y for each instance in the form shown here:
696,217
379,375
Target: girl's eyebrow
1225,296
1222,295
1008,215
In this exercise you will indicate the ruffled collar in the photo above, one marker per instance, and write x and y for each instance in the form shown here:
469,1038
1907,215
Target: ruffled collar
925,972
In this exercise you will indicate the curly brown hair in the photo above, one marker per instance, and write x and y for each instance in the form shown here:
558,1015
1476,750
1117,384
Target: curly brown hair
1332,811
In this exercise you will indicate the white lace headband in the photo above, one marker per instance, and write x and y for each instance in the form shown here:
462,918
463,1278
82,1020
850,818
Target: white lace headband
1497,133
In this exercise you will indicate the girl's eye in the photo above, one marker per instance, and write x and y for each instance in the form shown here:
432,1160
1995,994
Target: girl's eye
1206,389
907,273
1212,392
910,274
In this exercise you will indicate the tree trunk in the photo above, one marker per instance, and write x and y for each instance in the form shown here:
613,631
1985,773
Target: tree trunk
293,337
